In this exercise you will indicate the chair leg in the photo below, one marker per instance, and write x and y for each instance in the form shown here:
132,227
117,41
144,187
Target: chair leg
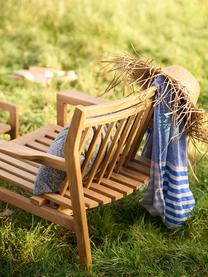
80,218
83,242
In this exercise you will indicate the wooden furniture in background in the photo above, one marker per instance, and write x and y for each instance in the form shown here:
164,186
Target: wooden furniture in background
116,172
12,127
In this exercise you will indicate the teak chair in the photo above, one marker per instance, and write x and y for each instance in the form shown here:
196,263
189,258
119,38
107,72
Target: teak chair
12,127
116,172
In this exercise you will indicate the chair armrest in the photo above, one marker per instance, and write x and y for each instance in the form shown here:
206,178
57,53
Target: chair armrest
24,153
13,119
74,98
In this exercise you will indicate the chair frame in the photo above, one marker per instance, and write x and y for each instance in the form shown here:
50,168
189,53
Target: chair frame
71,213
12,127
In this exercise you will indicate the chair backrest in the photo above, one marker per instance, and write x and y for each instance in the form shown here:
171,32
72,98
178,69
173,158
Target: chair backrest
105,134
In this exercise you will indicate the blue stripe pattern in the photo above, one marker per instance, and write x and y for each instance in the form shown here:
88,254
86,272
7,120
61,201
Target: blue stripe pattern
168,194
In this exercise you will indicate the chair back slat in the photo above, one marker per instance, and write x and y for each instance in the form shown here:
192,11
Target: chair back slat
101,153
129,141
121,144
84,137
96,133
111,150
140,133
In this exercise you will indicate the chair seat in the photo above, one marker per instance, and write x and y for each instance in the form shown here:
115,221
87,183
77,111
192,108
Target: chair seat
22,174
4,128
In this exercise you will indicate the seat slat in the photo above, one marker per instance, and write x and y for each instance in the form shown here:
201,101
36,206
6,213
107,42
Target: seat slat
59,199
19,164
142,160
37,146
125,180
51,135
139,167
89,203
17,172
57,128
134,175
116,186
101,199
48,129
109,192
44,141
21,183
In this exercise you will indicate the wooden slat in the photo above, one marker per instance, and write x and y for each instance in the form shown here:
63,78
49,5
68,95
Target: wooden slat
108,118
37,146
65,211
19,164
132,183
129,141
58,199
91,149
44,211
34,164
101,199
51,135
110,151
134,175
124,105
100,154
48,129
139,167
142,160
64,187
58,128
84,138
79,98
21,183
89,203
119,148
146,117
109,192
44,140
38,200
125,190
17,172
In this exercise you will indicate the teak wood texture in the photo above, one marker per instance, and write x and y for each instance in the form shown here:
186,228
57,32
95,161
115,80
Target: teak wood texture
12,127
116,127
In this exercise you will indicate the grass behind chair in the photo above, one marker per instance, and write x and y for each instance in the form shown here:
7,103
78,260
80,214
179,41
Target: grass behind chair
172,33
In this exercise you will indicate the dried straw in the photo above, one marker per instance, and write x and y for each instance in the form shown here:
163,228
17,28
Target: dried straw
132,71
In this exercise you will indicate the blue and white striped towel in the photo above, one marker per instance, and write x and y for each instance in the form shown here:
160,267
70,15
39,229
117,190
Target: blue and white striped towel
168,194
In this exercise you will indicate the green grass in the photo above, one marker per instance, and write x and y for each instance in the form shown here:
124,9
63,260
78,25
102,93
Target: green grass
126,240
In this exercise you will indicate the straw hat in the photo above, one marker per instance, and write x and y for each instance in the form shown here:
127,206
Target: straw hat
185,77
185,90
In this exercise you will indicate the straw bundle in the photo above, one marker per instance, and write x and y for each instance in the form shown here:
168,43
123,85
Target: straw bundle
132,71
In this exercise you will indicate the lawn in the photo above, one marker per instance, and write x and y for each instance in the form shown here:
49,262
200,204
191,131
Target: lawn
125,239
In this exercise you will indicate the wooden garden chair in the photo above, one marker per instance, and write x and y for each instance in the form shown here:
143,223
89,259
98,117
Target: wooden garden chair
12,127
116,172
